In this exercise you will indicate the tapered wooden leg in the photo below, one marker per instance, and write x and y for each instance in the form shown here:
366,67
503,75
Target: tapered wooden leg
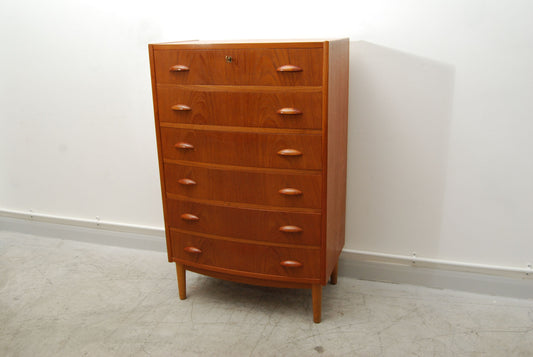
316,291
333,278
180,270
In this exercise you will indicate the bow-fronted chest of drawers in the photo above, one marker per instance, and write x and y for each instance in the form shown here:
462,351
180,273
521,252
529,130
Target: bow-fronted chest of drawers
251,140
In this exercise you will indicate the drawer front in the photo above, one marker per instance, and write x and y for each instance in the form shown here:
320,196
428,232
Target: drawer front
245,187
246,67
243,149
247,109
253,258
251,224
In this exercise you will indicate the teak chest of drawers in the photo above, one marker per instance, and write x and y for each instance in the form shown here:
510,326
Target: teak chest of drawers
251,139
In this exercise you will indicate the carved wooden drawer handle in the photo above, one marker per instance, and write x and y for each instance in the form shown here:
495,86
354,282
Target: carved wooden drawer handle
192,250
290,229
184,146
189,217
291,264
290,191
179,68
180,107
289,111
289,68
186,182
289,152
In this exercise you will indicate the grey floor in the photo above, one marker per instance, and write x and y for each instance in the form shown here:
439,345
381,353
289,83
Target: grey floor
67,298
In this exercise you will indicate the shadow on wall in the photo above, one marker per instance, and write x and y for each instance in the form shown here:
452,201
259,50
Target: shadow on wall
399,124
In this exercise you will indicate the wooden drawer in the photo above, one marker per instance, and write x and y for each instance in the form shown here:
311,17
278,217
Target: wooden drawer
262,66
251,224
245,257
242,148
301,110
252,187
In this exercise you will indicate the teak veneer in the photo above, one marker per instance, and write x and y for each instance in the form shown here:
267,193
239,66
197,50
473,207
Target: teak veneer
251,139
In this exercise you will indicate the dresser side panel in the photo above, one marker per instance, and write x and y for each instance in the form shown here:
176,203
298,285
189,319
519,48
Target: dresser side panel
324,191
337,132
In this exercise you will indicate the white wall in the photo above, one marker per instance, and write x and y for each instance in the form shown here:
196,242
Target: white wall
440,119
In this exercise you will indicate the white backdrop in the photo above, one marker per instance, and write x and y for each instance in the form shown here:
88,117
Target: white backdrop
440,149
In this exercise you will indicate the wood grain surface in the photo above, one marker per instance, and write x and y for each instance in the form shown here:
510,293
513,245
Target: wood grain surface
245,257
243,108
242,148
243,186
249,224
248,66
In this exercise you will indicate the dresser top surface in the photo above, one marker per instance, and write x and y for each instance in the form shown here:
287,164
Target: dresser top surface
305,43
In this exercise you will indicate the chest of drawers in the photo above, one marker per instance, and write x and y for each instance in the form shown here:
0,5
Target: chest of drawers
251,140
